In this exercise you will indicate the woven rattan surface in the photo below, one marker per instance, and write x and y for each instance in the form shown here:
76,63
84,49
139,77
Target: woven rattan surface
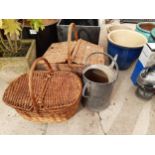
75,68
58,52
45,95
71,55
83,49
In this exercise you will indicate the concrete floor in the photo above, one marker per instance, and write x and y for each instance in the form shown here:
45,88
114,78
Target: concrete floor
126,114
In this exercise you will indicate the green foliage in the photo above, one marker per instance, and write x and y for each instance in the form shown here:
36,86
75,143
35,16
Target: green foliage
11,27
13,31
36,24
0,23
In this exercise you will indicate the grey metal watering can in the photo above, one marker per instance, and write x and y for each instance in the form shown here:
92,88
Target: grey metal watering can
97,93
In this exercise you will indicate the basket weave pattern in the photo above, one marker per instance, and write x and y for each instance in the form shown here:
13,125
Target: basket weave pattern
45,96
58,52
83,49
71,55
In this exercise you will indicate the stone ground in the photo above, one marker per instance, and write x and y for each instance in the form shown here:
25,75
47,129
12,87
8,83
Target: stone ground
126,114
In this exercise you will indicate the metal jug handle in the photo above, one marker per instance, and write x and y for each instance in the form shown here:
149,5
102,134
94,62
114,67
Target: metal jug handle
114,61
84,90
86,60
112,65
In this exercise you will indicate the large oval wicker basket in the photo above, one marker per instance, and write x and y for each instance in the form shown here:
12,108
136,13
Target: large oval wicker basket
45,96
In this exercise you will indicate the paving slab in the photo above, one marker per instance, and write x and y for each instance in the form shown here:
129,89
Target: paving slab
127,113
84,122
127,117
109,115
12,124
151,128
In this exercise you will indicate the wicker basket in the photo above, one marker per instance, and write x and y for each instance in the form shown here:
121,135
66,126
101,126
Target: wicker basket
45,96
71,55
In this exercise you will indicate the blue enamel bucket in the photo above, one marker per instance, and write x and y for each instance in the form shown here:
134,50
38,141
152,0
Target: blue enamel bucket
127,44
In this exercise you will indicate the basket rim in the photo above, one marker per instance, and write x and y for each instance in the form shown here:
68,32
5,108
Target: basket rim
78,81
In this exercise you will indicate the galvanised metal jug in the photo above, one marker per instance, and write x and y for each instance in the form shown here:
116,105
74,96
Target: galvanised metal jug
97,94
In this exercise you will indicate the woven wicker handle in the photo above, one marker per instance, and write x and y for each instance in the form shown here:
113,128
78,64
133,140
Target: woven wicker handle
31,75
72,28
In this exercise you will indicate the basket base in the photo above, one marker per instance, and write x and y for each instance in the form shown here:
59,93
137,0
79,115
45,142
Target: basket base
48,119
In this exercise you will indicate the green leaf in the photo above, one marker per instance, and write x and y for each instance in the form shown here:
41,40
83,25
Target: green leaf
36,24
1,23
11,27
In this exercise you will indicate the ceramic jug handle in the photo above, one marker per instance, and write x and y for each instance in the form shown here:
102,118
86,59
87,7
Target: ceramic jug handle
84,90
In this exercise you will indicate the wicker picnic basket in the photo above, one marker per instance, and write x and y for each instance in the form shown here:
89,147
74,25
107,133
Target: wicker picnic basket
71,55
45,96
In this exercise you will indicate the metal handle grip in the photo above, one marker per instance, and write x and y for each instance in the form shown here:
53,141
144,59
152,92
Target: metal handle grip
84,90
112,65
